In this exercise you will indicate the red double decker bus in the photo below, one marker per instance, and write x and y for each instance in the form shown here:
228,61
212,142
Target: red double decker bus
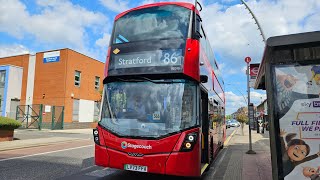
163,101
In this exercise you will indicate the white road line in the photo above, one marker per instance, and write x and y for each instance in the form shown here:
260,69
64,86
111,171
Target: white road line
44,153
103,172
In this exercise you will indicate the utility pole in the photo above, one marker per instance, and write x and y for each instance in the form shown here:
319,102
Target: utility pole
248,60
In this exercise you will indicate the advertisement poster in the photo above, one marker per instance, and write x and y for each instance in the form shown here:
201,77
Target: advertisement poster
298,110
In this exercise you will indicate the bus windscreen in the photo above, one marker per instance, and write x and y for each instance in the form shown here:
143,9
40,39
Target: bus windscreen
161,22
161,109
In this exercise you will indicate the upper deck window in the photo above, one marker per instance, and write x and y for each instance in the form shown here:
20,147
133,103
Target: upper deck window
162,22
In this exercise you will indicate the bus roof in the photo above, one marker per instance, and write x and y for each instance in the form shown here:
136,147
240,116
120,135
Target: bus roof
182,4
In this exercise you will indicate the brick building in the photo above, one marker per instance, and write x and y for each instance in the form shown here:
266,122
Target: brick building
61,77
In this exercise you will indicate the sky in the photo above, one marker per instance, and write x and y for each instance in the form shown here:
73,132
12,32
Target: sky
30,26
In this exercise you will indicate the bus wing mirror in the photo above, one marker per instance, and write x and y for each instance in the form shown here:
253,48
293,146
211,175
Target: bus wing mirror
203,78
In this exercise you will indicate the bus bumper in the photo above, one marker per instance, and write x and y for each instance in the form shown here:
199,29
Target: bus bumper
101,152
178,164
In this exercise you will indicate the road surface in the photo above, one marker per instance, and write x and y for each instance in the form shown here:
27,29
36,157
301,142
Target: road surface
66,161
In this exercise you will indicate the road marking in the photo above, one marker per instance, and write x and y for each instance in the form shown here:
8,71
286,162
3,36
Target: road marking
103,172
84,169
228,139
19,157
204,167
42,144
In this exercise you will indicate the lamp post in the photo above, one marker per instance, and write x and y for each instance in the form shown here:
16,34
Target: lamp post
256,21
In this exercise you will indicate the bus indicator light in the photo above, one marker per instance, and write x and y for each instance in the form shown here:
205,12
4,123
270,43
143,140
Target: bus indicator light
188,145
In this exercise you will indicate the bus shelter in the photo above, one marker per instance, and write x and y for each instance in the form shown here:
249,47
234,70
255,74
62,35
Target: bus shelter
290,73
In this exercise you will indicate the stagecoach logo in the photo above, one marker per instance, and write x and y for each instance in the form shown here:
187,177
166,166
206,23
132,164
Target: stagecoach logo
126,145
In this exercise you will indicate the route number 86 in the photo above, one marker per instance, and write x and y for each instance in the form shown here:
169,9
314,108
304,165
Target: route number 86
173,59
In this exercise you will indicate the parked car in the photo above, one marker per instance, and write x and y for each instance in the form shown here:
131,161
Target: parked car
228,124
234,123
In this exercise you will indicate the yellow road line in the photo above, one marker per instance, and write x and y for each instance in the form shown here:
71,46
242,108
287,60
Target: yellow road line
204,167
228,139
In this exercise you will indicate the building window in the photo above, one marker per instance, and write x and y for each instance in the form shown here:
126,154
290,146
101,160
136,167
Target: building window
77,78
97,83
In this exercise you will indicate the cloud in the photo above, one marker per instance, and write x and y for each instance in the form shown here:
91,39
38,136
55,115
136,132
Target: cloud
13,14
58,22
234,101
148,2
244,69
230,72
233,33
116,5
256,98
13,50
104,41
228,1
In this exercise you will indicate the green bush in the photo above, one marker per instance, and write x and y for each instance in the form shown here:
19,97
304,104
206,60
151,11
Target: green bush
8,123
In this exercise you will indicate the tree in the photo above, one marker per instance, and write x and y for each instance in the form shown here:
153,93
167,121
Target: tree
242,117
228,116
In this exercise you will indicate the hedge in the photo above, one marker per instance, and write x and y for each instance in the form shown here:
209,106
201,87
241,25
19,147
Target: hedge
8,123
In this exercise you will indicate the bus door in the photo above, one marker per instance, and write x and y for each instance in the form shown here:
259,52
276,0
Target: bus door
204,127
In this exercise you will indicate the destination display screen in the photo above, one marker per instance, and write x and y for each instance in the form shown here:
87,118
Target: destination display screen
147,62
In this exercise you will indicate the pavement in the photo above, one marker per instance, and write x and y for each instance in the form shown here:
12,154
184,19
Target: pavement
233,162
26,138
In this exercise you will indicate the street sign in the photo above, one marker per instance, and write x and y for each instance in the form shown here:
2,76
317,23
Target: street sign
247,59
254,69
50,57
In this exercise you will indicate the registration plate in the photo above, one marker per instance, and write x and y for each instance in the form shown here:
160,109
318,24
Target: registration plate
131,167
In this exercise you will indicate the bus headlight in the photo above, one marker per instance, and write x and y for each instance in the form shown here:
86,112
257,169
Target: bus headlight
96,136
189,142
191,138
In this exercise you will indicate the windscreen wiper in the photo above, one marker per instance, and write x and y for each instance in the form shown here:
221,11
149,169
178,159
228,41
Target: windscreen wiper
141,79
